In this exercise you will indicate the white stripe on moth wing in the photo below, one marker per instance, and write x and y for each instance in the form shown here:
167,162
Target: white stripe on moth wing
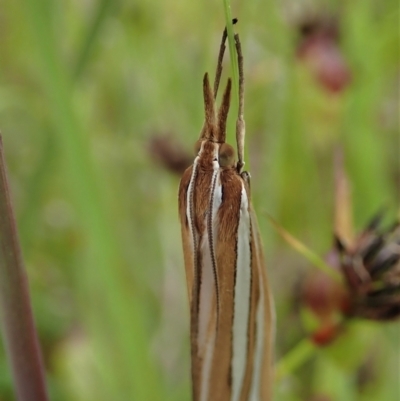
255,388
206,368
189,209
206,318
241,299
207,294
209,283
209,279
212,227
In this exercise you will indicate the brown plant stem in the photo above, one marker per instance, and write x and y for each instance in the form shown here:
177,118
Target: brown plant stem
16,318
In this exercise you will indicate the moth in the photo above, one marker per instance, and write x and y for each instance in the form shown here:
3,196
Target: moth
231,313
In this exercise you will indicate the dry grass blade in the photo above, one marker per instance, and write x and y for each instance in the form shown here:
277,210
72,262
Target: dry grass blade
343,204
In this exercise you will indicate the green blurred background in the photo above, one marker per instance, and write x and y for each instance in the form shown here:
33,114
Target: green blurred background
86,85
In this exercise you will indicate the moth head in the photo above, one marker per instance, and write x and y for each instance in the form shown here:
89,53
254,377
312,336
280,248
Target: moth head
214,128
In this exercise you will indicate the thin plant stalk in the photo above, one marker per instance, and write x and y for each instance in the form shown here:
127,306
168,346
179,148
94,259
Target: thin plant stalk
306,252
295,358
16,317
100,15
232,49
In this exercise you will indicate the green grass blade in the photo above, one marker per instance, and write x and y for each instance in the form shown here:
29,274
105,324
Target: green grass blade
232,50
306,252
296,357
94,29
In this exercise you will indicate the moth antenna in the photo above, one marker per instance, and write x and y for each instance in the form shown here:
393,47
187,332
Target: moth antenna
220,59
209,123
219,63
223,112
240,123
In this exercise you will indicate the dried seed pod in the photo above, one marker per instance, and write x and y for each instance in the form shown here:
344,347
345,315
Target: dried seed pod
371,266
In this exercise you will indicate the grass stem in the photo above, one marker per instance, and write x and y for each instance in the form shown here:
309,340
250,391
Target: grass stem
294,358
232,50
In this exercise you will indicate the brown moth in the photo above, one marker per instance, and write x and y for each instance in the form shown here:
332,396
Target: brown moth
231,313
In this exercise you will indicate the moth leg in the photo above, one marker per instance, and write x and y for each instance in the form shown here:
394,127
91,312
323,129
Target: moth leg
246,178
240,123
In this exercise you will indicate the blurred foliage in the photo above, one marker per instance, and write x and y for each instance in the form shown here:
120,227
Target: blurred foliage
85,85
